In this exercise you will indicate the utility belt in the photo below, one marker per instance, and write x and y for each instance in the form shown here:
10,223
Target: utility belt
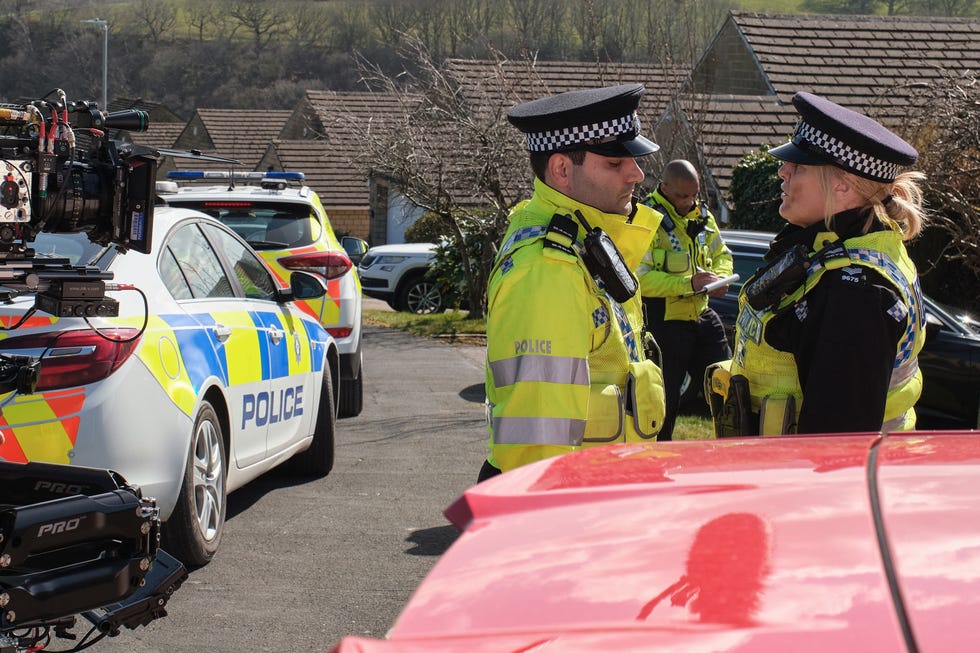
731,406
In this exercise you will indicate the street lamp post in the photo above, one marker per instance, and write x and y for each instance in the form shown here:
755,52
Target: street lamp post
105,59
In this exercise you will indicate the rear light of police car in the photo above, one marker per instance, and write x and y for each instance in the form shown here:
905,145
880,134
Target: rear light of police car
331,265
73,358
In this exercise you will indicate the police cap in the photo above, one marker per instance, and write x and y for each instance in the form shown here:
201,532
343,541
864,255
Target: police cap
600,120
829,134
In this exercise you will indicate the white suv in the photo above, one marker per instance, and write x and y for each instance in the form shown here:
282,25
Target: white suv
285,223
398,274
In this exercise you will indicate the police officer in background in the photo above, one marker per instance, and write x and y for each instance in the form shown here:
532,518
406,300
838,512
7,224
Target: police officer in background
829,331
687,254
567,361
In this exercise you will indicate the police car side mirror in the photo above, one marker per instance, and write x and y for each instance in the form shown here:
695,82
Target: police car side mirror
354,247
303,285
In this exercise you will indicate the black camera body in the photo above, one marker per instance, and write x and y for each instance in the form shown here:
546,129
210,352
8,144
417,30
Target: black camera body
60,172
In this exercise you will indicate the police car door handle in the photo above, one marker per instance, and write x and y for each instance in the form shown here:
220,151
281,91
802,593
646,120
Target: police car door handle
222,332
276,335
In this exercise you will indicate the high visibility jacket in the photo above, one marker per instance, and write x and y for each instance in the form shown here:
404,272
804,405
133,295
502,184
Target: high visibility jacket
565,362
674,258
772,374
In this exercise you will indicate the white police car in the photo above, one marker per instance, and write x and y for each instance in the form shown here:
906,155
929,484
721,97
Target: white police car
209,376
285,222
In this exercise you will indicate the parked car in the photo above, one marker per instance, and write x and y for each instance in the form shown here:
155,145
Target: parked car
950,359
856,542
285,222
210,375
399,274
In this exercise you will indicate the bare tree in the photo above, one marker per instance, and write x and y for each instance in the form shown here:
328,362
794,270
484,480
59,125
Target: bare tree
393,19
204,16
528,18
263,20
349,26
310,25
155,18
453,156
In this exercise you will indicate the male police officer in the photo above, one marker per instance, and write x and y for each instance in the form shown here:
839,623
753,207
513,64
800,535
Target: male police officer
687,254
567,365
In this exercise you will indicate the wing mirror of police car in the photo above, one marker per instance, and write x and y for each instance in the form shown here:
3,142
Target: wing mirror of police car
354,247
303,285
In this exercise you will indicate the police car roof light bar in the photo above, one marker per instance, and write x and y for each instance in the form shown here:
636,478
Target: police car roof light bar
197,175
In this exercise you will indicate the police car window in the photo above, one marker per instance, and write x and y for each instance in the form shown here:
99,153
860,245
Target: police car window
250,271
264,225
76,247
172,276
199,264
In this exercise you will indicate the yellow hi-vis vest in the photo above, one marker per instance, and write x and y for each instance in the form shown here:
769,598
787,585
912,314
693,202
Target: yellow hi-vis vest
774,383
674,258
564,360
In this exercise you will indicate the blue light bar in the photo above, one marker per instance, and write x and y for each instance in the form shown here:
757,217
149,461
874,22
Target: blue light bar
192,175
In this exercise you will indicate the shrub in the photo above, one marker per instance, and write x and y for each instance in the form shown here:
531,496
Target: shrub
755,192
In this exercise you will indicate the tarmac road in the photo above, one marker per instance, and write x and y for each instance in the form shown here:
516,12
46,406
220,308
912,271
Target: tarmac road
303,564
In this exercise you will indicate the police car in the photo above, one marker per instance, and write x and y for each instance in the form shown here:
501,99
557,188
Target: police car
285,222
211,374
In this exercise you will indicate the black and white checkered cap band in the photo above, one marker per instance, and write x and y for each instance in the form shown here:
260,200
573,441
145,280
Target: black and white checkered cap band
843,154
599,132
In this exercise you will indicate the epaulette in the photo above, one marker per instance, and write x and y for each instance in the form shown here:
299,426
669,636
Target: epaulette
561,233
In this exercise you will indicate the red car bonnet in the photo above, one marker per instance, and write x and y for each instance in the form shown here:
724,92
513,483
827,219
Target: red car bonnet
736,545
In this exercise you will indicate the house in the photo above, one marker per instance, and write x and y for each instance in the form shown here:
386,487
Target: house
239,135
323,138
491,88
739,93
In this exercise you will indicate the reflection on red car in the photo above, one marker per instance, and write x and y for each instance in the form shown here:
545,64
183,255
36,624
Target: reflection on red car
854,542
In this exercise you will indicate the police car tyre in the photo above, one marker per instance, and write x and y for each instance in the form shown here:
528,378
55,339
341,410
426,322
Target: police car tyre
193,532
352,395
317,461
420,295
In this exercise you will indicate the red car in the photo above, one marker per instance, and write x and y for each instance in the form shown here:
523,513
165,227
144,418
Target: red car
799,543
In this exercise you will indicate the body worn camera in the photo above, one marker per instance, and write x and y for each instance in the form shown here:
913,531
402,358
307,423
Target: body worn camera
605,262
781,277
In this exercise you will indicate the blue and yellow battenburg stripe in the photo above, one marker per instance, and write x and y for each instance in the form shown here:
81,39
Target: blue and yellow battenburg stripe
183,351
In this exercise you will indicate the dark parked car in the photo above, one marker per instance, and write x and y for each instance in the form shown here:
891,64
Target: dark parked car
950,360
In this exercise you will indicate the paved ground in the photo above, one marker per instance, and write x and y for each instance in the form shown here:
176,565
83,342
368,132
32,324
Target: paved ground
305,563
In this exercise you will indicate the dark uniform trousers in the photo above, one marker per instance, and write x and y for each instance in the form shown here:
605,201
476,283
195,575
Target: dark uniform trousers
687,347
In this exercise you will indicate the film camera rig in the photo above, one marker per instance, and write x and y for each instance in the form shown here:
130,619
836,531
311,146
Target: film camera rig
61,173
73,541
77,541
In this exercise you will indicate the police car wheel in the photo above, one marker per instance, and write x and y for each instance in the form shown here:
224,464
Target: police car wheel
317,461
193,532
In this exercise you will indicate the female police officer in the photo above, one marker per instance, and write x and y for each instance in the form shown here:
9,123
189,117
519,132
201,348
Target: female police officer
828,332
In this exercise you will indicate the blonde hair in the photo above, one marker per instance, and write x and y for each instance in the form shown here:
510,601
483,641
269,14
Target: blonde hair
897,204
